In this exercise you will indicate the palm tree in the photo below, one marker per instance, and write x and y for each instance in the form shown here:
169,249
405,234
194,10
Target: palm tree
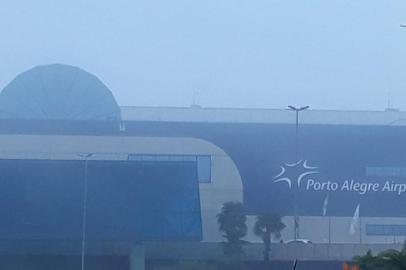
387,260
368,261
266,226
394,259
232,223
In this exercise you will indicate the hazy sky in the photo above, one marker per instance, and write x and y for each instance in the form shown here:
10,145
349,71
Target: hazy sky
336,54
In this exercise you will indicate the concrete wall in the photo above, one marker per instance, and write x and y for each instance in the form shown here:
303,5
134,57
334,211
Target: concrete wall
336,230
283,252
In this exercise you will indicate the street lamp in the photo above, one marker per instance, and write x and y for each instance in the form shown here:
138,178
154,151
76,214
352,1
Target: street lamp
296,217
84,211
297,110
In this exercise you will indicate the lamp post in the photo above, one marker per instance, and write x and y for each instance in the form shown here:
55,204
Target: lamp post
297,110
84,210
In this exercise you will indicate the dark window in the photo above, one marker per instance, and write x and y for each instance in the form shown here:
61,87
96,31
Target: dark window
382,230
203,162
386,171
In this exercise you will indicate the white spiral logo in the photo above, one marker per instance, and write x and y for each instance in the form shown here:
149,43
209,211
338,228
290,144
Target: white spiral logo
306,170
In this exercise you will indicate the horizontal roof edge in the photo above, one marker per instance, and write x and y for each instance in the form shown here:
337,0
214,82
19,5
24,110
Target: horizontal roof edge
276,116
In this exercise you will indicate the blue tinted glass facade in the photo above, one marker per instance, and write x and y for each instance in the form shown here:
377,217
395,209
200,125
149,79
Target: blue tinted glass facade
386,171
127,200
203,162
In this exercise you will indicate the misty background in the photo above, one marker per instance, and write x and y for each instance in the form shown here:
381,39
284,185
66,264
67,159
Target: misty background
337,54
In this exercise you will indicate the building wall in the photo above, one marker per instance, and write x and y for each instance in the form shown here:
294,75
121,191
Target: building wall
225,182
261,116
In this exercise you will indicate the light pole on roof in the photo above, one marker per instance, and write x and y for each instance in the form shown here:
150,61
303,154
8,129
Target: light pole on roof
86,157
297,110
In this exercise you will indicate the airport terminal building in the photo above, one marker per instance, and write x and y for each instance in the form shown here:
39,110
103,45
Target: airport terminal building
75,164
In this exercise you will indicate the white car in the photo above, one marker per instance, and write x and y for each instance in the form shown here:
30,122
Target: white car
299,241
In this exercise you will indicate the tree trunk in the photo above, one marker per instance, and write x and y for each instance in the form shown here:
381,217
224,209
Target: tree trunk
267,243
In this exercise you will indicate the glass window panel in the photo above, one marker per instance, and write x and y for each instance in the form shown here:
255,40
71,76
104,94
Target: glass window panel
149,158
189,158
204,169
135,157
382,230
176,158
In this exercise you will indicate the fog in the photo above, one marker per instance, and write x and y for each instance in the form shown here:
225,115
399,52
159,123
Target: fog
85,183
327,54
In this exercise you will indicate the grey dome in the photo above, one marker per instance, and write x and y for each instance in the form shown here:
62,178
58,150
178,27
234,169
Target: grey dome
58,92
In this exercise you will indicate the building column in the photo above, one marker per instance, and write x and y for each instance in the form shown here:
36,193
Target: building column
137,257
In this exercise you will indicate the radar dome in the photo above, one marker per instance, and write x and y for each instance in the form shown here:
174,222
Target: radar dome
58,92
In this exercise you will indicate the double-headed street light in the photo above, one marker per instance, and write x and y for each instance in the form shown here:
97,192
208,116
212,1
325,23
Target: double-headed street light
297,110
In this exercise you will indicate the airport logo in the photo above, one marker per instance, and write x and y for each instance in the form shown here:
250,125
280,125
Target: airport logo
294,173
302,176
